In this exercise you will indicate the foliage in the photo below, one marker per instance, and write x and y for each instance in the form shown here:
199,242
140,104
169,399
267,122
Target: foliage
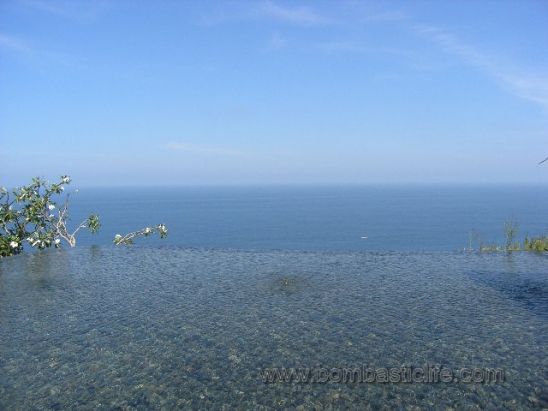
536,244
490,248
127,239
31,215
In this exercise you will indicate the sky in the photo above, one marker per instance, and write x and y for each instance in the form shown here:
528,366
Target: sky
273,92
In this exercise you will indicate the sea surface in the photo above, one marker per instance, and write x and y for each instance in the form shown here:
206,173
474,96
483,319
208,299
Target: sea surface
335,218
255,278
151,328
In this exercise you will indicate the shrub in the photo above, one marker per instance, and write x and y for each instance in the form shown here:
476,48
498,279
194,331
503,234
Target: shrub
510,232
31,215
536,244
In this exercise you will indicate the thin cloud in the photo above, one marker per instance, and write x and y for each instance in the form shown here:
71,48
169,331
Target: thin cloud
13,43
55,7
303,16
204,150
267,10
306,16
36,56
521,82
73,9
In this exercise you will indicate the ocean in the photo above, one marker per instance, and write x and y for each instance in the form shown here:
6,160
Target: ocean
316,218
252,282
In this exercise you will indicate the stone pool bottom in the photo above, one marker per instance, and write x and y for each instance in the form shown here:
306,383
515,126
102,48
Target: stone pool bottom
164,328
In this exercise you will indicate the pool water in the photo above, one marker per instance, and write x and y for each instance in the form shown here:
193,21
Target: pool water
151,328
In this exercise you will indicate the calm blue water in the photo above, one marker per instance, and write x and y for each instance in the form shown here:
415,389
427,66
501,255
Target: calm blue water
171,328
407,218
191,324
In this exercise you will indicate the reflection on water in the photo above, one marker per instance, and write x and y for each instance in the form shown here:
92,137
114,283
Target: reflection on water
146,328
528,287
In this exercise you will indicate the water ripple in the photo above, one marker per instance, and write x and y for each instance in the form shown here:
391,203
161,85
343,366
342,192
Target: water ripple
152,328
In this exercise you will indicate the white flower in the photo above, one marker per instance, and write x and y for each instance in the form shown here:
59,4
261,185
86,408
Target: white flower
65,179
148,230
51,207
61,188
57,241
14,244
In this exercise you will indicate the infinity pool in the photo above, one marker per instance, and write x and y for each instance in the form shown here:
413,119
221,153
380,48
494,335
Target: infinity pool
152,328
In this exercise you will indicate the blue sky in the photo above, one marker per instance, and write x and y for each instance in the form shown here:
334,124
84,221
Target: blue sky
143,92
